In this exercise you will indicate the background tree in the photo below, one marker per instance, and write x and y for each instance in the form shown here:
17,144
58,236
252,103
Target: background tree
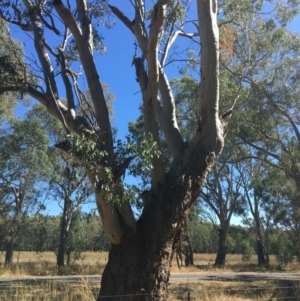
266,58
222,193
11,62
71,188
261,192
24,164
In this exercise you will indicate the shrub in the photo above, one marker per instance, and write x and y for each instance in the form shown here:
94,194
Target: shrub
247,251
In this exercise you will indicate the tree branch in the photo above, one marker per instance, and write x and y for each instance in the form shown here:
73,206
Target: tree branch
122,17
85,22
209,128
68,86
96,91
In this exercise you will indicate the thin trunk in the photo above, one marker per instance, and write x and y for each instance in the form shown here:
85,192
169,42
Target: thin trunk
222,249
178,252
64,231
9,253
68,258
260,249
188,250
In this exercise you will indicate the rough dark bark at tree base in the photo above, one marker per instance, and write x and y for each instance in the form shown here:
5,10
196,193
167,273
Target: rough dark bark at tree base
60,260
189,260
221,255
261,256
64,231
131,276
188,250
140,265
9,254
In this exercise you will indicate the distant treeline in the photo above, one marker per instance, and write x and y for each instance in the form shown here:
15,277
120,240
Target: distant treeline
41,233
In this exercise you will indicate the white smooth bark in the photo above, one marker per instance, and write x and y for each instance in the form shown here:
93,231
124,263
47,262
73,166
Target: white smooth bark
209,128
110,218
167,116
165,111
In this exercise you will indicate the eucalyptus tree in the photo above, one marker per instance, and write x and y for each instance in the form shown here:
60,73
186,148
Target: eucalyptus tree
288,210
266,59
24,165
139,247
68,182
262,203
222,194
11,52
71,188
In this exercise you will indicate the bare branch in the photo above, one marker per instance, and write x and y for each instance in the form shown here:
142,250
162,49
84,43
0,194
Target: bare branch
25,27
52,26
85,22
122,17
39,43
67,83
286,114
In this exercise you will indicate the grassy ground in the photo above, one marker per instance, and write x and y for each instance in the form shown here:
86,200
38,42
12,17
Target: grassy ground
233,291
43,264
91,263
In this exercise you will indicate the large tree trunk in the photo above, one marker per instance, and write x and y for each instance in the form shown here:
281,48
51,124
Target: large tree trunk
64,231
222,249
136,268
9,253
141,263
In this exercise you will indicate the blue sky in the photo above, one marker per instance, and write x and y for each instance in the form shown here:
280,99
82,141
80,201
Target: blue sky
115,69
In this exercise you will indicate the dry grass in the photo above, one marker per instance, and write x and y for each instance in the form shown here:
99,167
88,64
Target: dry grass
205,263
50,292
230,291
92,263
231,259
44,264
197,290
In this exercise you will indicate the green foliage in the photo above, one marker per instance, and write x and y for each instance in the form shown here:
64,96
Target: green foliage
283,249
8,100
144,152
41,234
14,72
24,167
76,238
247,251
